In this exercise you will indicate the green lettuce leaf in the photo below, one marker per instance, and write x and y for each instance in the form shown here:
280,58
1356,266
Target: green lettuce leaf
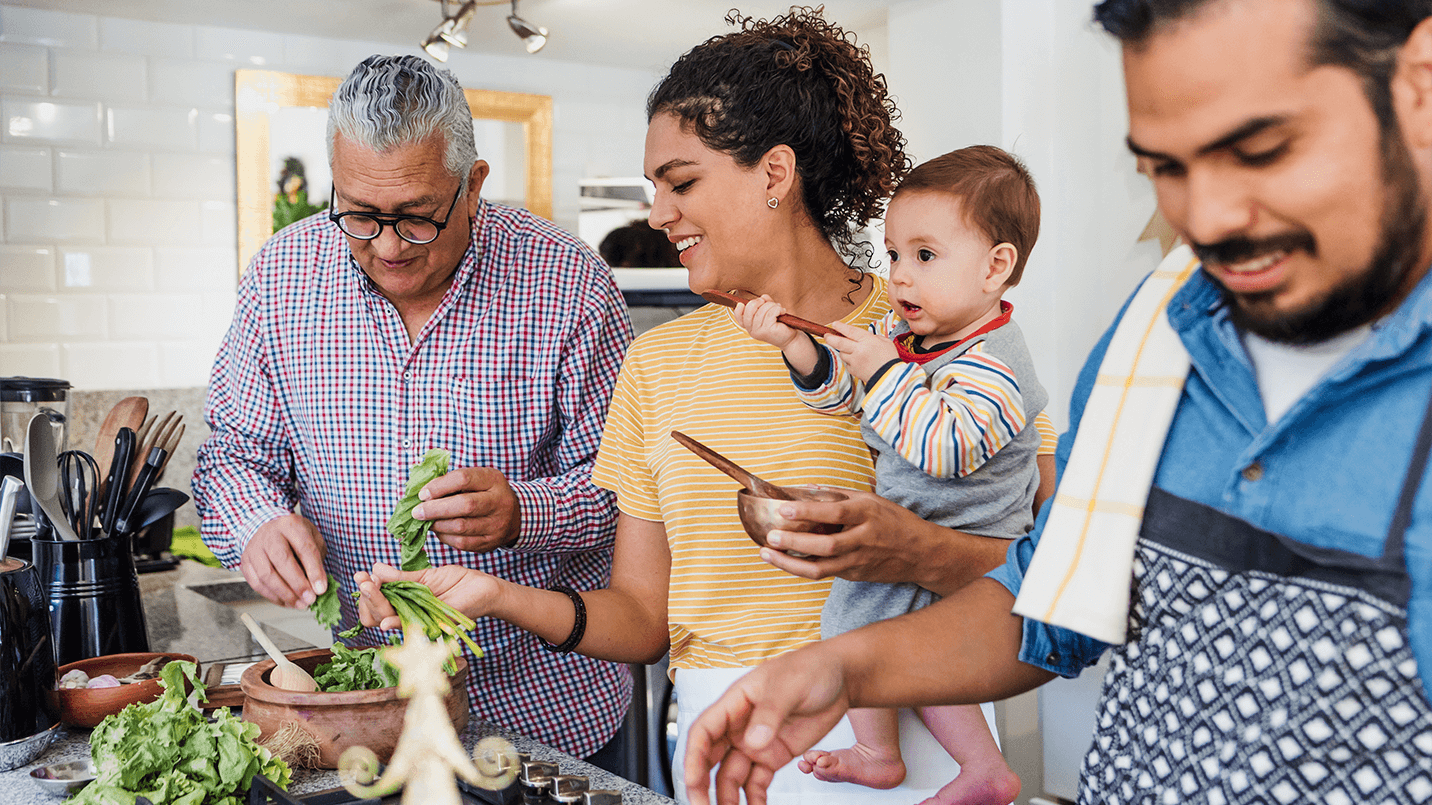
354,669
167,751
412,533
325,608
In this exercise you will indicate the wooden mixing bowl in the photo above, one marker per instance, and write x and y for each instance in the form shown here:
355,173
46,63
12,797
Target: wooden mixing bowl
336,721
86,707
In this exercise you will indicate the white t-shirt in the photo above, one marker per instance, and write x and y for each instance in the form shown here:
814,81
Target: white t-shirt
1286,372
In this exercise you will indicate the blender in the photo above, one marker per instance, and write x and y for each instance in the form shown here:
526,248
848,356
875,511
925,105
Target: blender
21,398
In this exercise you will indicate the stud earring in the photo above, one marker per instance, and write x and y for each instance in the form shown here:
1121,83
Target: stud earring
773,202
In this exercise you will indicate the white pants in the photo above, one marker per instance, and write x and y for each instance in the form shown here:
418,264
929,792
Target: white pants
928,766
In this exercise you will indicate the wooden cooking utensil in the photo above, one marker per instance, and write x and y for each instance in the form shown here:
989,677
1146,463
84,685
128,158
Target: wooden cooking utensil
154,437
788,319
169,445
755,483
127,413
285,673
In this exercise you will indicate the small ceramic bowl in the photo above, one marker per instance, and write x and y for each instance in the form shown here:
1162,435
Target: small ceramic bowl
86,707
760,516
336,721
63,779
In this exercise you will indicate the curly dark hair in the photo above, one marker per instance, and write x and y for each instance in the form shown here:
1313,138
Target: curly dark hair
800,81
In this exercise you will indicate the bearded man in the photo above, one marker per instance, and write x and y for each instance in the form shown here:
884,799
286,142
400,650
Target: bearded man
1240,517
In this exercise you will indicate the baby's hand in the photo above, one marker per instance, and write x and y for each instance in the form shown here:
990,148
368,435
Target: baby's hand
758,317
863,351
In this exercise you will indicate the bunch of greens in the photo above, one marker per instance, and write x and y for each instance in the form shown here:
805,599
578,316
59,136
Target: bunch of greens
415,604
354,669
410,533
167,751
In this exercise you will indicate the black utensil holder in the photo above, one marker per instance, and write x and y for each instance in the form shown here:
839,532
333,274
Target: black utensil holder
93,593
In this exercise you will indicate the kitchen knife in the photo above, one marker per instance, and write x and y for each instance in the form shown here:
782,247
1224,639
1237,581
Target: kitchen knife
140,489
114,481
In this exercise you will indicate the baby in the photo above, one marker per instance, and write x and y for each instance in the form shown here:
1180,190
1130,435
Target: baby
946,388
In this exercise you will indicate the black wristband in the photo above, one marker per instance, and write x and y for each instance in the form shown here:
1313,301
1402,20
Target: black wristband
579,626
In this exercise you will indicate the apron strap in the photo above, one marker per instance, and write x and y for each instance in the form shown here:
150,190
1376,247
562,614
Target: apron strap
1402,516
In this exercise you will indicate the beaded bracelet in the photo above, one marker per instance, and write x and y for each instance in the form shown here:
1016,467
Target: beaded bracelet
579,626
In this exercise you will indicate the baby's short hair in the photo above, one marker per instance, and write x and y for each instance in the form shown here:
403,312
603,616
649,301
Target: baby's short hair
996,193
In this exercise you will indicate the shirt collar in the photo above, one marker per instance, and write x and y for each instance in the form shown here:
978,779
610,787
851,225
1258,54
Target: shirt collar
1199,303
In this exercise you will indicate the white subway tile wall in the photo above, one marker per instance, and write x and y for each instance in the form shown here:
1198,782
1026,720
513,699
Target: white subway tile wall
31,360
25,167
103,173
28,121
23,68
38,219
28,269
111,76
117,197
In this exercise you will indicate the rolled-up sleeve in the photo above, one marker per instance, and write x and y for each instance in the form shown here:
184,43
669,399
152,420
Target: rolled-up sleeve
243,477
1052,648
566,512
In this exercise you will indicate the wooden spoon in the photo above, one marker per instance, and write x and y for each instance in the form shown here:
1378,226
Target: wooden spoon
788,319
758,486
127,413
285,674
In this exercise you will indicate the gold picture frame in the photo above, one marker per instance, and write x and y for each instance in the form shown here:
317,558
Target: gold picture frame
258,94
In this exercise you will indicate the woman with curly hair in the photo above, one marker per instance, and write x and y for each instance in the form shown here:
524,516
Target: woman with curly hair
770,147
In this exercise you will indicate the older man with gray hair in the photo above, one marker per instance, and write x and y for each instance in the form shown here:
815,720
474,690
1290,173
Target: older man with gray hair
416,315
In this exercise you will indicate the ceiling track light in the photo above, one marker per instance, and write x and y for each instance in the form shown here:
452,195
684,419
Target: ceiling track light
452,31
534,37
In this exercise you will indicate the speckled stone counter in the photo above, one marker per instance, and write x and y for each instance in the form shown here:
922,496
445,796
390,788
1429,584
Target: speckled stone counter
16,788
190,610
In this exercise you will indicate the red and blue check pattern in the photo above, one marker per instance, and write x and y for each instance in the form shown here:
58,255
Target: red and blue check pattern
319,400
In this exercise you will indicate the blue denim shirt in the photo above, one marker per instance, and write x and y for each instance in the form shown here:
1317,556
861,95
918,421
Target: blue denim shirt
1331,468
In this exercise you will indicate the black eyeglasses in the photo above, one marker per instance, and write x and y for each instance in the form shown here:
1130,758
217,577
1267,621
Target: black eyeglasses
368,225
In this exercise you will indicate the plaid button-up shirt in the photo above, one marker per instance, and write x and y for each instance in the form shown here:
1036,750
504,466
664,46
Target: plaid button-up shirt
319,399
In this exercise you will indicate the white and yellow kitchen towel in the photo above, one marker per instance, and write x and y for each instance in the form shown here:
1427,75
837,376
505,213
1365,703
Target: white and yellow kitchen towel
1080,574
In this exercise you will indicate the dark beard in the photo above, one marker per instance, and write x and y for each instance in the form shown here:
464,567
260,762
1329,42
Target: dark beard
1362,298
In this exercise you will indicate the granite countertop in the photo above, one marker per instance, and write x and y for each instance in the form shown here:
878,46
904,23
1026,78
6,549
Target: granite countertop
194,610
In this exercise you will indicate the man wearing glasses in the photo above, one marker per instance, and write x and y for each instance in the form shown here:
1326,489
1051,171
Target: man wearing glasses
415,315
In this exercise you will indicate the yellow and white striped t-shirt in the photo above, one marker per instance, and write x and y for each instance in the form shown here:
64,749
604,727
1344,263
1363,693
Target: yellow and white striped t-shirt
706,377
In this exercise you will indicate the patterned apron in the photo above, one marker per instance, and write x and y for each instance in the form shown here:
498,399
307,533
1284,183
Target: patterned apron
1259,669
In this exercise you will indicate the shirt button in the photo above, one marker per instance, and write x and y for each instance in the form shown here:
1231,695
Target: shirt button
1253,472
407,442
1052,659
407,375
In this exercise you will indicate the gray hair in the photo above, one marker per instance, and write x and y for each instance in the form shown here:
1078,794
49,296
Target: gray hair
388,101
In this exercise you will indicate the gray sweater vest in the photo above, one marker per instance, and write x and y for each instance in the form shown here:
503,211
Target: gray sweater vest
996,500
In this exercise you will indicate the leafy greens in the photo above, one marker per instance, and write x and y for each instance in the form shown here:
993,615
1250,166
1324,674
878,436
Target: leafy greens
354,669
167,751
412,533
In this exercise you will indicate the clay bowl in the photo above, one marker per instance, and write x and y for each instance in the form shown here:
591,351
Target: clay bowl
336,721
86,707
759,515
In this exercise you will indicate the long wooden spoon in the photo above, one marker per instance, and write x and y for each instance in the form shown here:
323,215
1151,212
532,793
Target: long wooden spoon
758,486
285,674
127,413
788,319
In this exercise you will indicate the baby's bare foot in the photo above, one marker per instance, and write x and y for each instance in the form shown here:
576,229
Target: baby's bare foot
995,784
860,764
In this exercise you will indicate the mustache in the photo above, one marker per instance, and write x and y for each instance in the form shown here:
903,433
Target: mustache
1237,250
